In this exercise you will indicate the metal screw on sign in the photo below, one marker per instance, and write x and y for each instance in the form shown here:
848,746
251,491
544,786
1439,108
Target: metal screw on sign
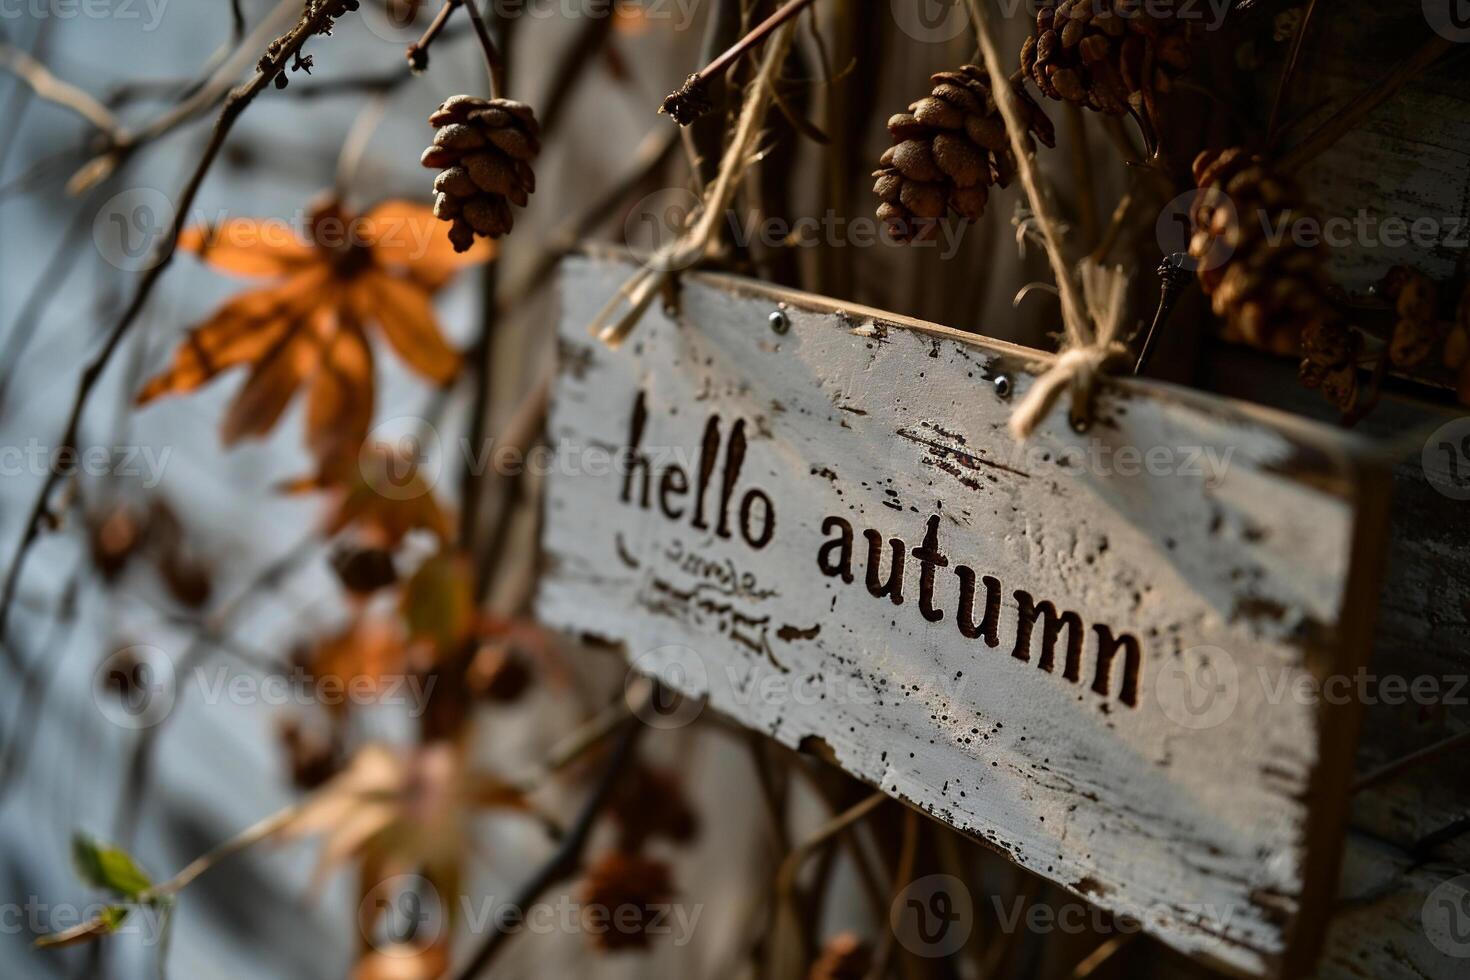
779,321
1002,384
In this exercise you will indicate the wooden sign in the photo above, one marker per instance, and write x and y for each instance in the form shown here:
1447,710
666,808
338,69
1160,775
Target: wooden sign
1093,650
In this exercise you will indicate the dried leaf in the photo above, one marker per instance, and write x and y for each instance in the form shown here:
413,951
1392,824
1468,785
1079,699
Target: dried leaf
402,309
381,268
247,247
408,238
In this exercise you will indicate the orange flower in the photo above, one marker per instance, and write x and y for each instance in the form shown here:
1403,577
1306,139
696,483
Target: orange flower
308,328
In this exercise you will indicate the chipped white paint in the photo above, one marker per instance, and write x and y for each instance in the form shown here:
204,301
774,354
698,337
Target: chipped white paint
1218,538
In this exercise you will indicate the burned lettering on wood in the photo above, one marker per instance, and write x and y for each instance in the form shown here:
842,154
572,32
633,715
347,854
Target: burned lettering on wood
1029,611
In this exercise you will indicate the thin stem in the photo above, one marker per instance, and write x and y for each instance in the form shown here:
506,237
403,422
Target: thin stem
1292,60
47,86
359,136
1410,761
691,100
418,51
244,840
494,64
275,60
566,858
1358,108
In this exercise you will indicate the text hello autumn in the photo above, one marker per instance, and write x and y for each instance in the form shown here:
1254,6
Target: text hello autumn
753,514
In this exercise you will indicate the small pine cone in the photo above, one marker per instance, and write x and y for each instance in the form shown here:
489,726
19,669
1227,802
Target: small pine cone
484,149
947,151
1340,387
651,803
311,758
499,673
1270,290
115,537
1107,55
1417,302
619,896
844,957
363,570
1457,344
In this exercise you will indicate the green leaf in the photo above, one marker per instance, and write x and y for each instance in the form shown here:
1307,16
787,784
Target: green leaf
106,923
109,868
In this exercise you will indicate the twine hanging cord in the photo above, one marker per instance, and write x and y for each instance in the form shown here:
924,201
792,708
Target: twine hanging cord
695,242
1092,317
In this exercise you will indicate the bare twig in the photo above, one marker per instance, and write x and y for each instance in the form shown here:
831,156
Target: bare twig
691,100
139,768
1099,956
567,857
47,86
1411,761
1362,105
1293,59
278,55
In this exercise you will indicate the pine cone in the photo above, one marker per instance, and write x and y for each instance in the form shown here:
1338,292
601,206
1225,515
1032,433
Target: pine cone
1108,55
1271,294
616,883
948,149
651,803
844,957
1457,347
1417,301
484,148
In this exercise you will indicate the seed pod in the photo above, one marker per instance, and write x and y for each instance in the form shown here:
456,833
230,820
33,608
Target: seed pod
948,150
1107,55
1416,300
484,149
1271,292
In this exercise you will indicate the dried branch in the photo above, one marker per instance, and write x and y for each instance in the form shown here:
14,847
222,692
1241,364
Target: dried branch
316,17
139,767
47,86
567,857
691,100
1362,105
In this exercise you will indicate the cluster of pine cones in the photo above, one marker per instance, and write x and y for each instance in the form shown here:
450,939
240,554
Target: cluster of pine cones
1270,289
1107,55
948,150
1418,330
649,804
484,149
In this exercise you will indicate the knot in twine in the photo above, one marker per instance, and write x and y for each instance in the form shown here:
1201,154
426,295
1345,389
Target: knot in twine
1091,346
1091,322
701,233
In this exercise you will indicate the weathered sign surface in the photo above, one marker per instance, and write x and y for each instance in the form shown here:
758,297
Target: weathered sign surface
1102,652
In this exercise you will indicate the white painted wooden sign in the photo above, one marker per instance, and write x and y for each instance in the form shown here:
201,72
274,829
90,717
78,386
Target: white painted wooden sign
1095,651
